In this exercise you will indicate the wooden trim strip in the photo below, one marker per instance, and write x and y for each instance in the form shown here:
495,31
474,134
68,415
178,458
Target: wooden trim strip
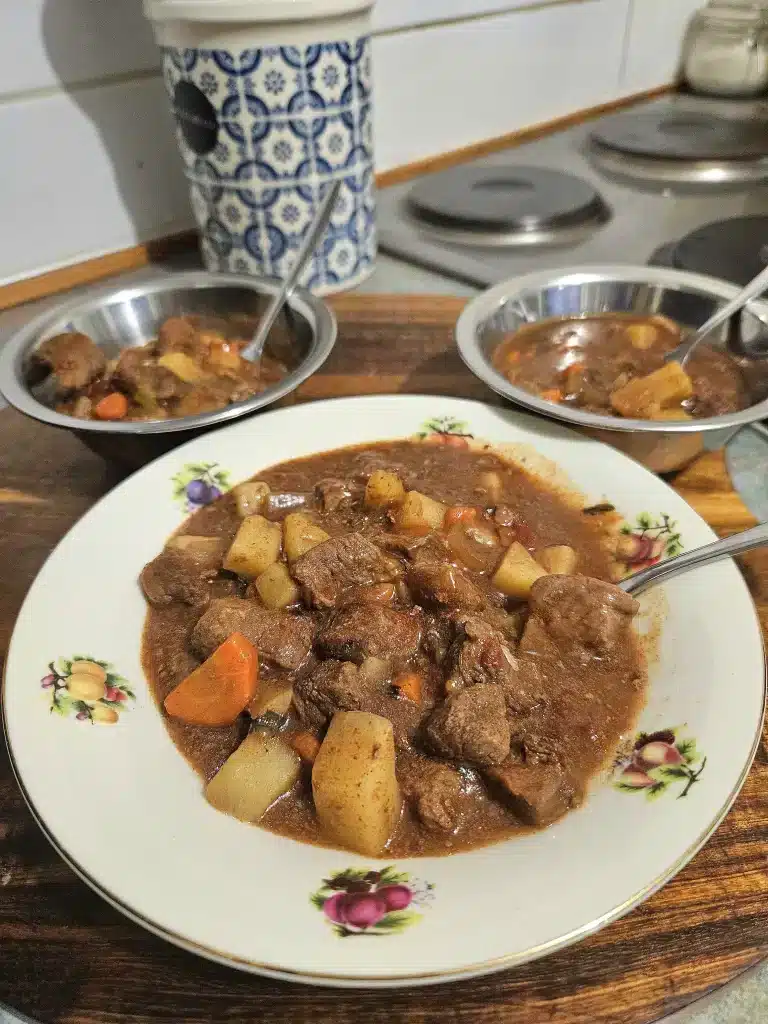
54,281
64,278
477,149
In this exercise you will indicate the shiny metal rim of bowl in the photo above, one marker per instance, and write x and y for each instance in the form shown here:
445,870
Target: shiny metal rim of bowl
480,310
13,386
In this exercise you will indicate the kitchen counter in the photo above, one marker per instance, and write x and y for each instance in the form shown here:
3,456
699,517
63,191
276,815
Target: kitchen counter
745,1000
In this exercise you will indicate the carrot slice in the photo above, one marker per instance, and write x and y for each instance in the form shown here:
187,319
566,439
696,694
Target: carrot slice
111,407
460,514
222,687
408,685
306,745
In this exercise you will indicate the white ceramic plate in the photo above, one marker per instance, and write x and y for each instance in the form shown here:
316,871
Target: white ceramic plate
127,813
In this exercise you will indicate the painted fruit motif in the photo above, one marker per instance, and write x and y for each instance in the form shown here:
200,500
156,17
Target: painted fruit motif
659,762
445,430
646,541
360,902
86,689
199,483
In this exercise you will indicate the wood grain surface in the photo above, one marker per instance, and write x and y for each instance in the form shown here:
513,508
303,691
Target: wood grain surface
66,956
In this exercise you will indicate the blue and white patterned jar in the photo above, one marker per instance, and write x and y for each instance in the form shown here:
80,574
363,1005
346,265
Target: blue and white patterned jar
263,130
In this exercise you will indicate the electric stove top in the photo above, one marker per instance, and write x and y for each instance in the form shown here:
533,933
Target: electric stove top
679,182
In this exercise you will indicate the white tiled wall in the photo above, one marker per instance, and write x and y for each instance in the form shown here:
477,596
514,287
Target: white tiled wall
89,164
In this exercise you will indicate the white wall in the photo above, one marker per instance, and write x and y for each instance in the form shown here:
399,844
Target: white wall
89,161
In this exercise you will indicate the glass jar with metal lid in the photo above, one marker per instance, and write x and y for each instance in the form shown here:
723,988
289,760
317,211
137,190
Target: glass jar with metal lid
725,51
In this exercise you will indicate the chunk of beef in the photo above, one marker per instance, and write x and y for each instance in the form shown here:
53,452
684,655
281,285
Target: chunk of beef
370,630
280,636
482,654
471,726
333,494
339,686
374,593
139,374
444,585
439,634
576,617
435,791
352,560
183,571
178,334
538,793
74,358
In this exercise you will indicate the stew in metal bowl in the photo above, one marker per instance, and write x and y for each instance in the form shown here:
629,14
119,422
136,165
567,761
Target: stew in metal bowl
612,364
401,649
193,367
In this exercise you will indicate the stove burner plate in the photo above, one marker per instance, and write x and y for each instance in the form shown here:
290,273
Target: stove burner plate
735,250
682,147
497,205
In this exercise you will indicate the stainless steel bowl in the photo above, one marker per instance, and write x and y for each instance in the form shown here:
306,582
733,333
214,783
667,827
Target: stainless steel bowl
118,318
686,298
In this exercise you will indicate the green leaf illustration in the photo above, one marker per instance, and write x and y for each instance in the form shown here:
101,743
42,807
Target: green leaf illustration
644,521
625,788
656,790
687,749
397,921
390,876
317,901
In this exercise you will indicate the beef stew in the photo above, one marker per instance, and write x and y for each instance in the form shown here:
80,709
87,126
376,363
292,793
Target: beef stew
194,366
415,693
612,364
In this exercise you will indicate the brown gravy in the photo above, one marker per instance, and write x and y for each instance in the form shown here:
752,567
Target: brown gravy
580,361
600,702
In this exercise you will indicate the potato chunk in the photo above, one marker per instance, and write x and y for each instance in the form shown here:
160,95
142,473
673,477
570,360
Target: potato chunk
517,573
250,497
559,559
255,547
642,336
420,514
261,769
643,397
489,484
357,798
276,588
183,366
300,535
273,696
383,488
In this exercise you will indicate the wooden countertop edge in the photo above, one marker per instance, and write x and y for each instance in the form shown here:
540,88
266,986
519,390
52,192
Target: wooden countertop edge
88,271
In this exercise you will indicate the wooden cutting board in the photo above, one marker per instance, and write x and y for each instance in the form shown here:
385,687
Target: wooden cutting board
67,956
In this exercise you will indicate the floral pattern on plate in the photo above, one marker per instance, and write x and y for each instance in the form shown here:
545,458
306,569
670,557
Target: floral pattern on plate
360,902
87,688
659,762
445,430
646,541
199,483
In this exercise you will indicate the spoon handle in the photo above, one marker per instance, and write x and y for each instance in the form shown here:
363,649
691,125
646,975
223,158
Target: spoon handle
316,231
735,545
753,290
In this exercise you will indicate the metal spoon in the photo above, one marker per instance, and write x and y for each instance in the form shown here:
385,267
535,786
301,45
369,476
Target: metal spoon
735,545
753,290
255,347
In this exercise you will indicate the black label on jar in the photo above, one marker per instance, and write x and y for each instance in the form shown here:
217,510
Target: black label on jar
196,116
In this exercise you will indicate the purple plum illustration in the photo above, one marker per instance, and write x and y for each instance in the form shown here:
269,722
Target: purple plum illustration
359,902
